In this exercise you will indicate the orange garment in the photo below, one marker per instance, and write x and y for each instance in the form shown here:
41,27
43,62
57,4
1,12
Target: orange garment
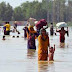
43,48
30,31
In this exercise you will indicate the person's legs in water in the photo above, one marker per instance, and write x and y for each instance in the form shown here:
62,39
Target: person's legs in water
51,53
3,38
62,40
13,37
7,32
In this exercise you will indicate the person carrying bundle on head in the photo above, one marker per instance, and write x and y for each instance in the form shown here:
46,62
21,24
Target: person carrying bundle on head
62,34
40,25
31,36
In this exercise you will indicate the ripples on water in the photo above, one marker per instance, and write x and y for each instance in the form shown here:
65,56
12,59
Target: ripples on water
14,56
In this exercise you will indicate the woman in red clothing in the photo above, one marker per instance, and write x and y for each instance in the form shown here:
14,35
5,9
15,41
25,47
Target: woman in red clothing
62,34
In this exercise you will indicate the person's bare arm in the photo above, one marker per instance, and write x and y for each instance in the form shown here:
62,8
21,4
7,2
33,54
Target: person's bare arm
57,30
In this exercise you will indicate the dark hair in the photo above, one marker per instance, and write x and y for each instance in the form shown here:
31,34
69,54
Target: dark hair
6,22
62,28
51,47
13,36
3,36
51,23
17,36
42,29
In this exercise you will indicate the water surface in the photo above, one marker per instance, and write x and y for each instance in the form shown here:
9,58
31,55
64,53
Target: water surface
14,56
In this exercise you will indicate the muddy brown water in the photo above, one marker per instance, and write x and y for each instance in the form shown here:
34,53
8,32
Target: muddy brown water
15,57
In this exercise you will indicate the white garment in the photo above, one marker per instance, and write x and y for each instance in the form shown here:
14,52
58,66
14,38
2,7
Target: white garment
32,21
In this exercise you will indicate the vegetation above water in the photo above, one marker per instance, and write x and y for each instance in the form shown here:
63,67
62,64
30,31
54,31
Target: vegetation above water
52,11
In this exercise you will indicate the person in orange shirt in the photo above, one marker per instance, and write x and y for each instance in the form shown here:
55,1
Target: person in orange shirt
51,53
7,26
43,44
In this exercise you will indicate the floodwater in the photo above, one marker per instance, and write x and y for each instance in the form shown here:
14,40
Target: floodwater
14,56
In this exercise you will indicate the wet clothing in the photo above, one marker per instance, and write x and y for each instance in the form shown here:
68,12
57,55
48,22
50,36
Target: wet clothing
33,32
4,30
31,43
51,55
15,25
31,36
7,33
62,35
7,29
43,47
51,30
25,32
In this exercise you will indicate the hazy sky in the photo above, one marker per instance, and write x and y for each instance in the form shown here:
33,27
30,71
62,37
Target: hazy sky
15,3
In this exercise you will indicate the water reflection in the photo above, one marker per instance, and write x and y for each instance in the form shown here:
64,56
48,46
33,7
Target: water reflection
62,45
45,66
15,57
42,66
31,53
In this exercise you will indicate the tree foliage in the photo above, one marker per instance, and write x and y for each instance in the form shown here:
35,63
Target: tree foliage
6,12
51,10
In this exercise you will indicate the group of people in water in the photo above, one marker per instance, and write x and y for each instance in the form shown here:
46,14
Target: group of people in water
41,34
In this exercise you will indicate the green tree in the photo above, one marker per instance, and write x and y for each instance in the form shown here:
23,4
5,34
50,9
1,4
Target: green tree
6,12
2,10
18,14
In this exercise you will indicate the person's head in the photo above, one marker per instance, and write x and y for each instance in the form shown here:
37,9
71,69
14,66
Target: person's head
14,27
6,22
17,36
13,36
15,22
3,37
25,27
18,32
43,31
62,28
51,49
51,23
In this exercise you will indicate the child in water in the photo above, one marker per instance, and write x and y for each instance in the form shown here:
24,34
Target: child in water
3,38
51,53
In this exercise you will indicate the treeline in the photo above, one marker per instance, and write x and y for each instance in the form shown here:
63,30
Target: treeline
52,11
